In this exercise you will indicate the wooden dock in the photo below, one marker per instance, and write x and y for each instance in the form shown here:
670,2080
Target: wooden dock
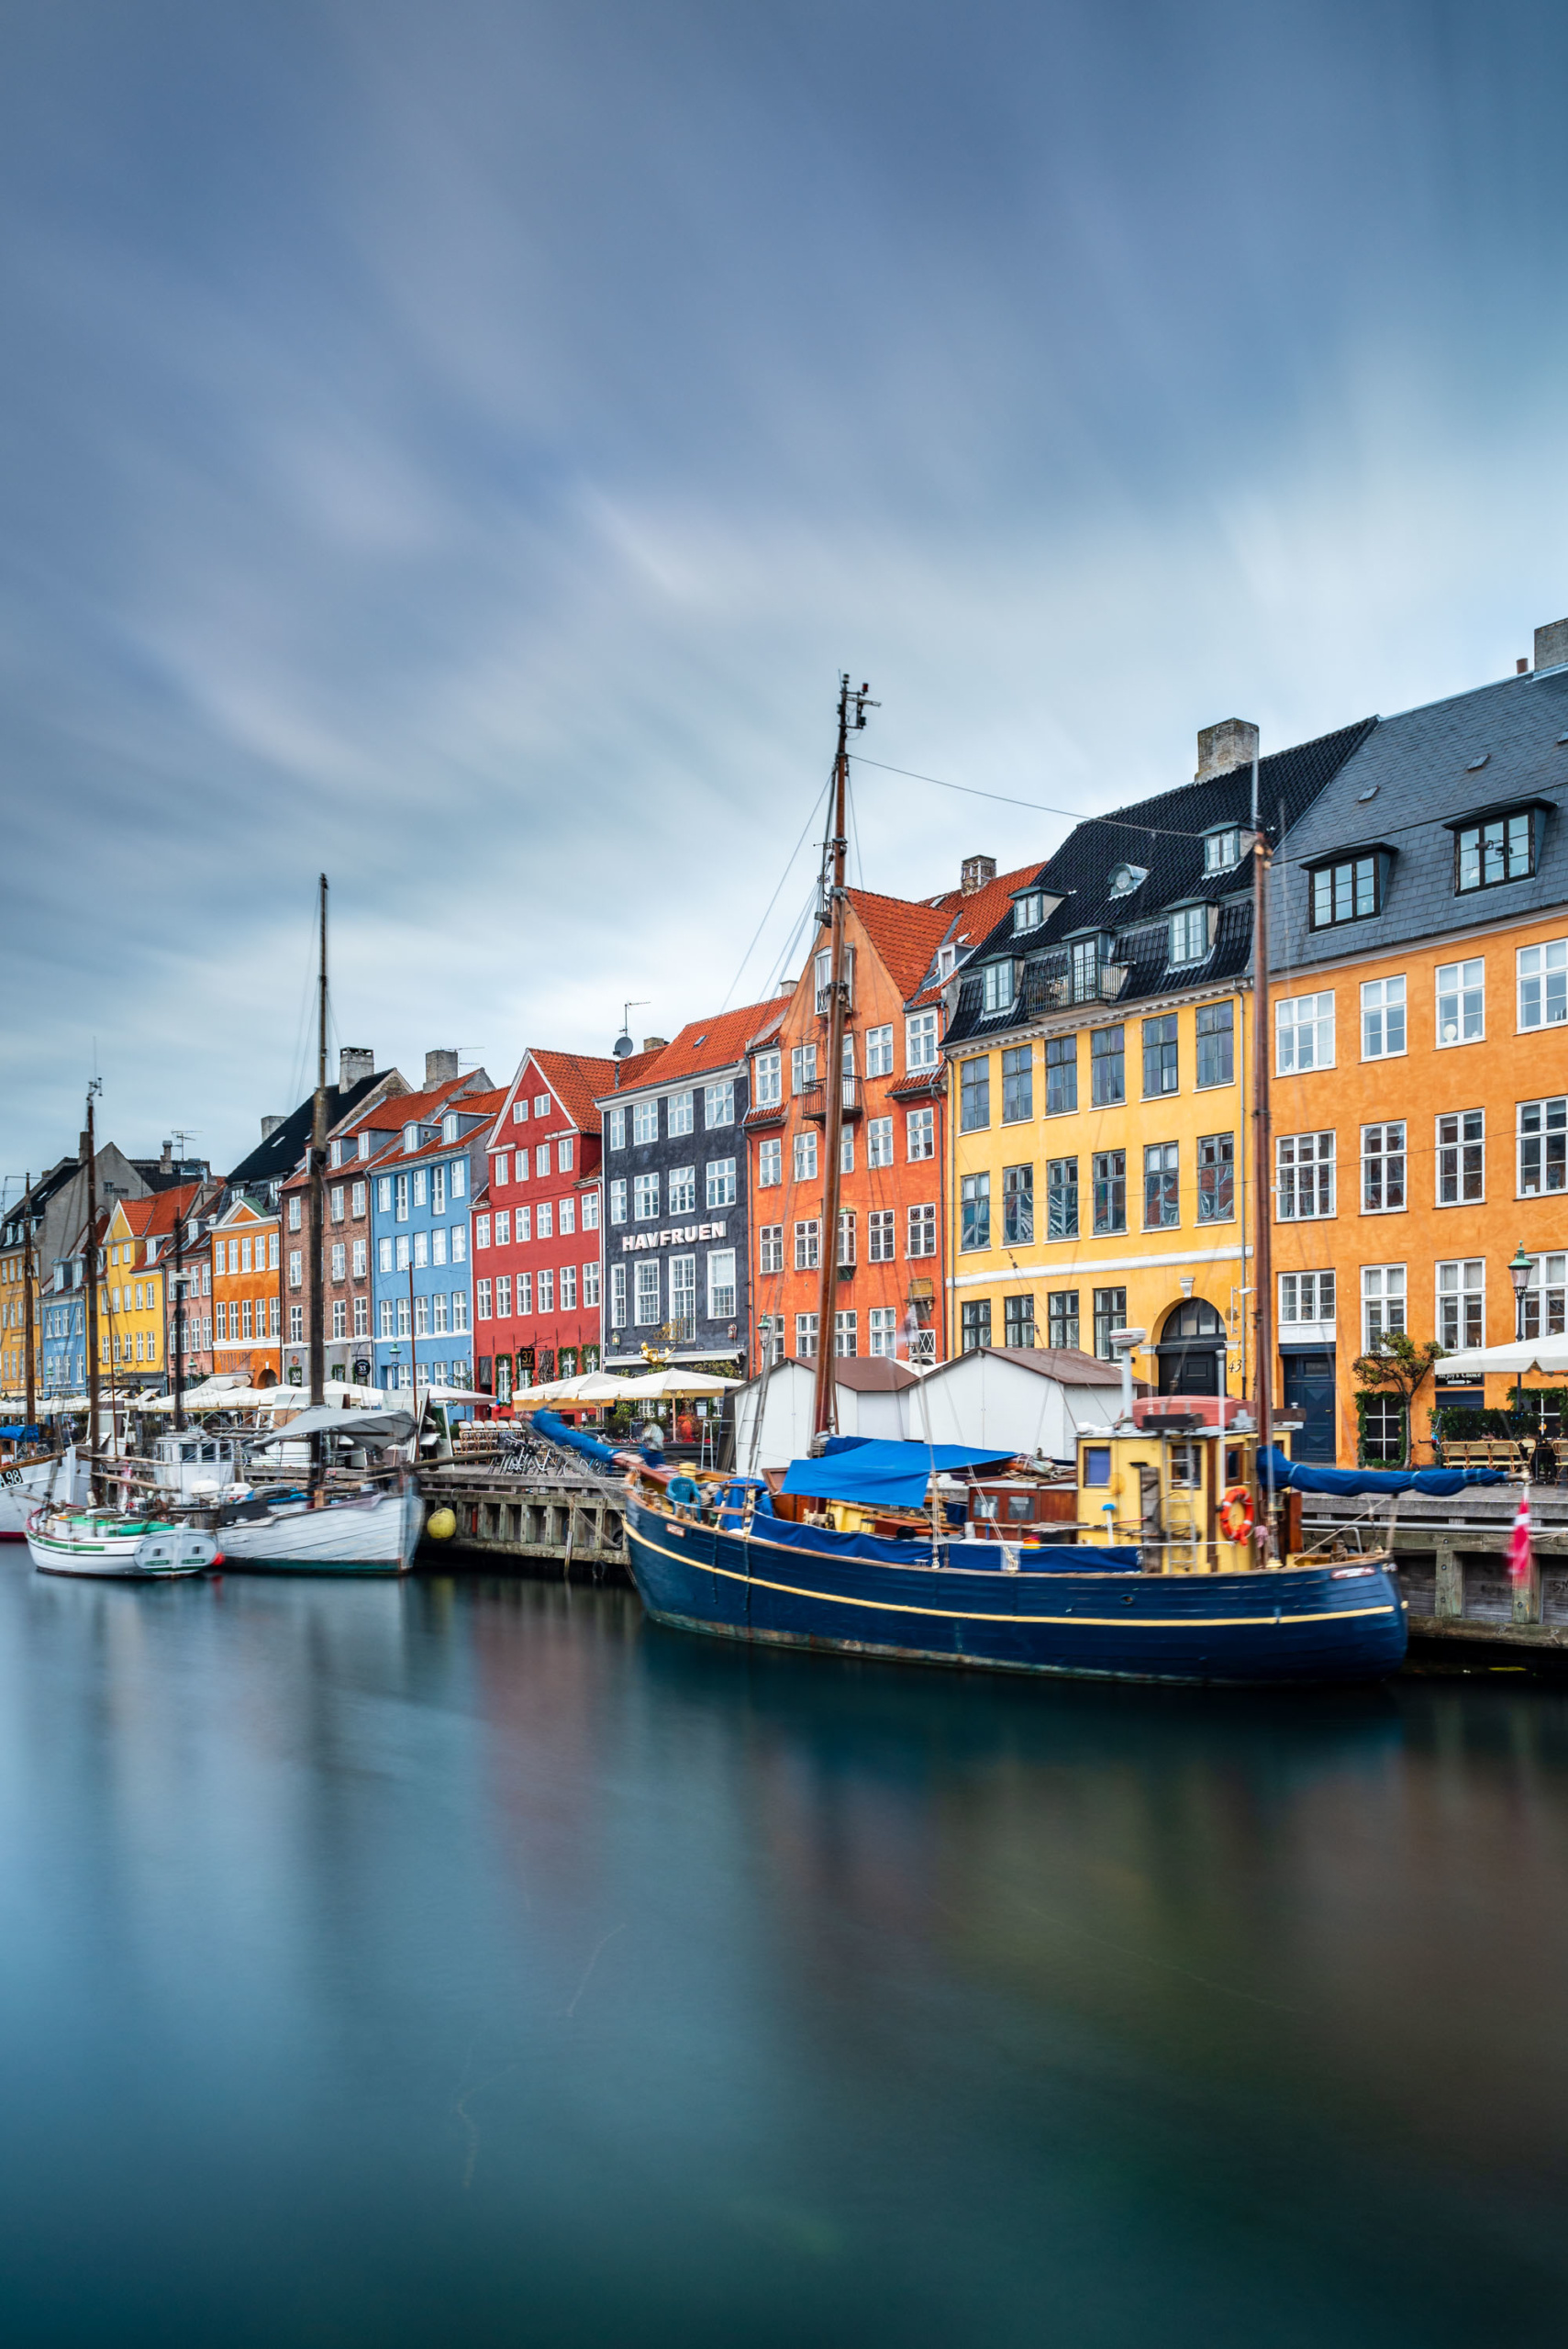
1453,1565
559,1523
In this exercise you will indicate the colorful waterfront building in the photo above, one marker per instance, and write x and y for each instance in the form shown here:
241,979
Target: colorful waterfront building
1420,1057
901,956
678,1197
422,1200
135,1329
247,1290
1098,1064
537,1255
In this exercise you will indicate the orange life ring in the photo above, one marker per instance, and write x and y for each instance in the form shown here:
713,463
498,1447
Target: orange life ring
1236,1513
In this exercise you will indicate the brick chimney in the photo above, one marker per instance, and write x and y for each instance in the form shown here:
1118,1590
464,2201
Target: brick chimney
655,1044
440,1069
355,1064
975,873
1551,645
270,1127
1223,748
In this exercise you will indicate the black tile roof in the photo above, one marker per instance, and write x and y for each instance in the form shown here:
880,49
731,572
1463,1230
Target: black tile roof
274,1159
1164,837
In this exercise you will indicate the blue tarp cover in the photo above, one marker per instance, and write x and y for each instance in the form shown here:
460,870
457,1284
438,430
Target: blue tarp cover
880,1473
1438,1484
983,1557
21,1435
558,1431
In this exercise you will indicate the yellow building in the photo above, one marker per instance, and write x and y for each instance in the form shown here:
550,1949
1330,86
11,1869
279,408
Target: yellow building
1099,1068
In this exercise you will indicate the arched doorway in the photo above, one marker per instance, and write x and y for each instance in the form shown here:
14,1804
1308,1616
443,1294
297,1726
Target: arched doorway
1191,1351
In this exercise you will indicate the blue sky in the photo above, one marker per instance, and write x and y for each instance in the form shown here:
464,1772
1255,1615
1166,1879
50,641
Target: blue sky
457,447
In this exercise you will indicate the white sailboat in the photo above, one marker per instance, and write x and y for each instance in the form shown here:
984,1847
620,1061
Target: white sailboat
98,1541
26,1485
330,1526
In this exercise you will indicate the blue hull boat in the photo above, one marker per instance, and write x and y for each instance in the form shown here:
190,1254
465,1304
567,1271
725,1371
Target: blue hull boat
1072,1617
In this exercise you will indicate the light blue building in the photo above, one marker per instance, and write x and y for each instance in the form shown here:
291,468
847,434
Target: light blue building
422,1289
63,1336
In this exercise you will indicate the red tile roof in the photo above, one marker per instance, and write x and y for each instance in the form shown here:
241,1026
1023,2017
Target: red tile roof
975,917
904,932
713,1042
575,1078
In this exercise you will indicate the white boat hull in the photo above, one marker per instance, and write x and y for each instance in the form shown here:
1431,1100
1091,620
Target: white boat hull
376,1533
26,1484
62,1543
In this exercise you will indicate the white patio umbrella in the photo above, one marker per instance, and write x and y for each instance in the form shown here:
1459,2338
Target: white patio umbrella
1548,1355
668,1386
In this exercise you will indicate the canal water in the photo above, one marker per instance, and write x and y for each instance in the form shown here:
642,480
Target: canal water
475,1962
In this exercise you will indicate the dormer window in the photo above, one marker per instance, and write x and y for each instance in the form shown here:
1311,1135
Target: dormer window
946,961
1189,934
1028,911
1086,961
448,1125
337,1153
1350,889
410,1140
364,1145
996,982
1222,850
1503,848
1126,878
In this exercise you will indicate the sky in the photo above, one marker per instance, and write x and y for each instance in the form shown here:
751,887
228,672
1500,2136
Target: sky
456,448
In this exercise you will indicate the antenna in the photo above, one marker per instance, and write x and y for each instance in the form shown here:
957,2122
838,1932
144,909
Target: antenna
623,1043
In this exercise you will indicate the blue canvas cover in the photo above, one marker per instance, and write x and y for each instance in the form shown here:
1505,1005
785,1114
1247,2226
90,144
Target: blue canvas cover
880,1473
570,1439
1354,1484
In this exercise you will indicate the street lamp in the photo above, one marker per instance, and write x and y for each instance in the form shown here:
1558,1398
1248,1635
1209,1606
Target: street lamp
1519,1271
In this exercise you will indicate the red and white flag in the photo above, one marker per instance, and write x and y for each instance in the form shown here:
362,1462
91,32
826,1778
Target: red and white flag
1519,1548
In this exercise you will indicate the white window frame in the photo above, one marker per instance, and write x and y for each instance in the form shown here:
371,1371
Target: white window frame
769,1248
681,1114
879,1051
770,1164
1452,1139
1300,1016
1543,969
1552,1119
718,1104
645,1197
920,1041
1462,984
721,1285
646,1301
1384,1155
808,1244
1189,939
718,1177
919,1125
1461,1290
618,1199
617,1127
1378,1003
1295,1296
805,1156
1384,1288
645,1120
1289,1158
879,1141
767,1080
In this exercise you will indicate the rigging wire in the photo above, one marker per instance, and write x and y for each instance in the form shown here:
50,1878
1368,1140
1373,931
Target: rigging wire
784,876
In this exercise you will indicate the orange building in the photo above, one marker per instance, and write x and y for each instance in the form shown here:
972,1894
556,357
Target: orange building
892,1240
1420,1085
247,1292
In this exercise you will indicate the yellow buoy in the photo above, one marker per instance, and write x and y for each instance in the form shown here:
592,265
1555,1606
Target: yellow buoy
441,1524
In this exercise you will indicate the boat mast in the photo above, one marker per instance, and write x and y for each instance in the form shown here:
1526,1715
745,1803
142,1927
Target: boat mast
317,1175
1263,1151
835,847
29,1364
91,1323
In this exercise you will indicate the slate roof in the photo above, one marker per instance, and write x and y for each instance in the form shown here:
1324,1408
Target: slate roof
274,1159
1163,835
1419,764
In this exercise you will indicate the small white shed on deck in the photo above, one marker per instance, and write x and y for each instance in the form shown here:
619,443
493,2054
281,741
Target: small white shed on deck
870,1394
1021,1399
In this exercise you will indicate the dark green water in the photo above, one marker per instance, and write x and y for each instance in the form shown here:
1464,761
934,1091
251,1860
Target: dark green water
473,1964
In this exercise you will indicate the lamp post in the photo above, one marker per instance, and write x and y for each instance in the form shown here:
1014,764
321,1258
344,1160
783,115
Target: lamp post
1519,1271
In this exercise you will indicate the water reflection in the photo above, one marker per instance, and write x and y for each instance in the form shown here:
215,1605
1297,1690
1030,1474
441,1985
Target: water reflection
459,1959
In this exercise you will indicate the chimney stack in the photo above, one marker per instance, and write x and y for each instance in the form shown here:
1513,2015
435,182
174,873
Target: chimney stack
440,1069
166,1159
1222,748
270,1127
975,873
1551,645
355,1064
655,1044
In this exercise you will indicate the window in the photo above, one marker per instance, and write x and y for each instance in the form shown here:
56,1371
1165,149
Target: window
400,1190
1061,1316
1028,911
682,1192
541,1105
879,1051
767,1079
562,1155
1383,1303
400,1255
1350,891
920,1134
296,1325
1159,1056
805,1336
884,1322
1544,984
1383,1168
362,1317
879,1141
976,1322
974,1094
1061,1198
1018,1084
618,1202
1382,1018
720,1183
1126,878
1382,1429
567,1219
1087,963
975,1209
769,1248
504,1226
1303,1173
808,1245
803,1068
569,1289
1462,1303
547,1290
880,1236
382,1200
997,986
1306,1296
297,1267
805,1157
382,1255
1107,1066
1017,1205
481,1229
339,1261
1501,849
419,1182
1461,1002
718,1104
544,1218
1110,1190
590,1211
920,1041
1215,1178
1161,1200
645,1122
1462,1158
1110,1313
645,1312
245,1258
459,1243
357,1201
293,1210
541,1159
922,1229
618,1296
721,1285
482,1290
617,1128
1018,1320
770,1164
1061,1076
645,1197
1189,934
591,1282
339,1203
1542,1134
680,1115
1222,850
1542,1308
1303,1034
519,1113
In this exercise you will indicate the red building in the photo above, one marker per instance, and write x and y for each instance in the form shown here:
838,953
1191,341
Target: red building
537,1230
